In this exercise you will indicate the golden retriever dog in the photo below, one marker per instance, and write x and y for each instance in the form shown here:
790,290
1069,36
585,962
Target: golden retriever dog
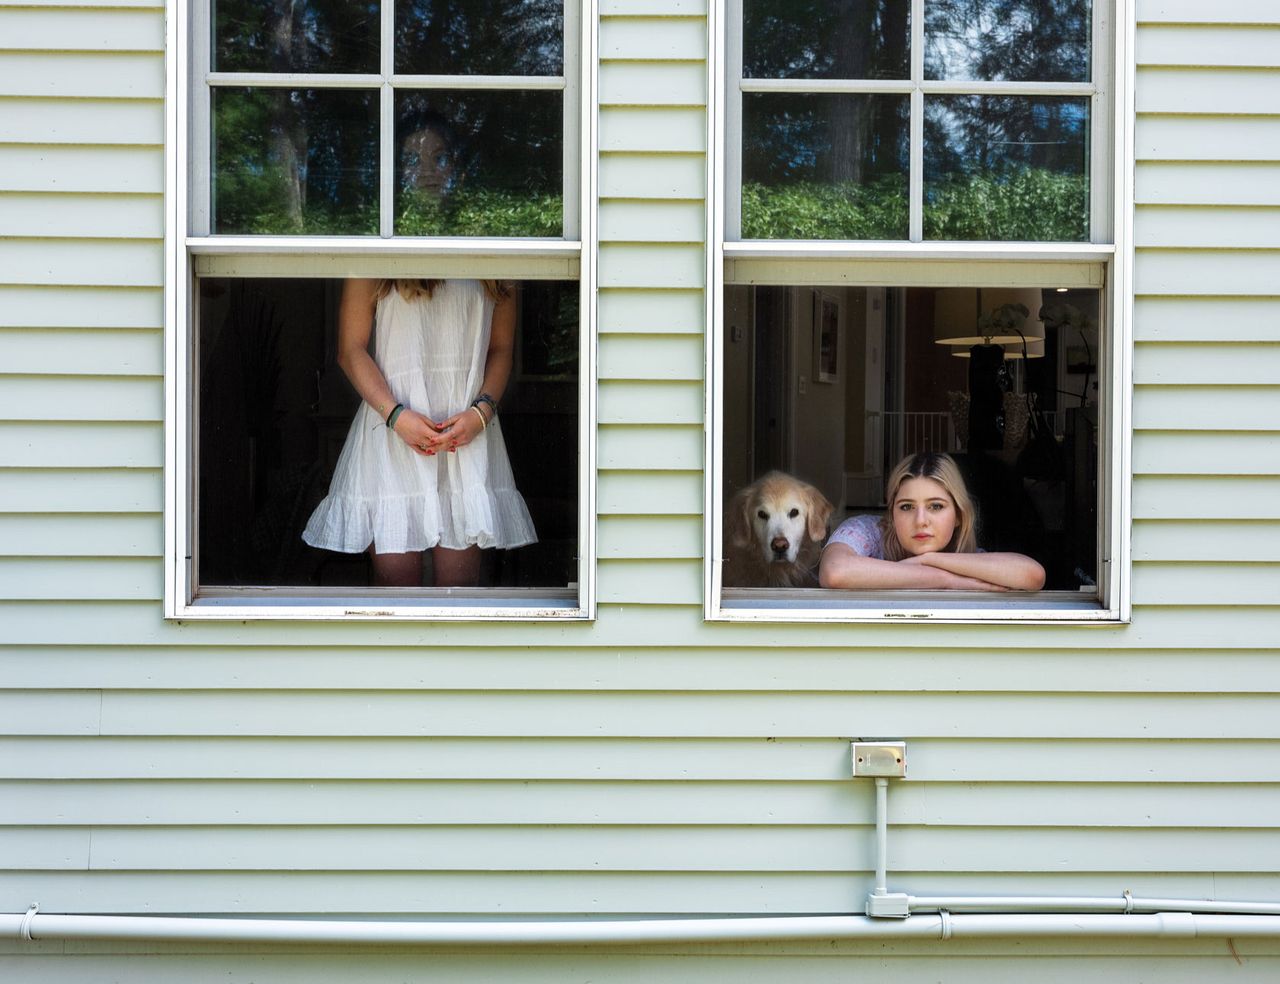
773,533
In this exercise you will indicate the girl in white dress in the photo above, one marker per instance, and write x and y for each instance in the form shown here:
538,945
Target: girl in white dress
424,466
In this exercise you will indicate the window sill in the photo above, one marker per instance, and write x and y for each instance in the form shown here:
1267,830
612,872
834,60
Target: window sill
387,604
824,605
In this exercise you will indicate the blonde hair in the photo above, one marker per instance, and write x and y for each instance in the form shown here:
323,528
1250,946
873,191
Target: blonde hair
942,469
411,289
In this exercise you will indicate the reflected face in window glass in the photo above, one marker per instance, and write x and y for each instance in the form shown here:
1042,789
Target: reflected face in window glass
479,163
427,160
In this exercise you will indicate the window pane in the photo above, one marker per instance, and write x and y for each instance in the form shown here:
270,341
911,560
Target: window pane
479,164
824,166
302,36
1006,168
291,161
275,413
817,39
1014,40
836,385
479,37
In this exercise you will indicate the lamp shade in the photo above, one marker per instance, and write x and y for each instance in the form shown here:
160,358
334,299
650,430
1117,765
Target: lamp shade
1012,350
956,312
1029,297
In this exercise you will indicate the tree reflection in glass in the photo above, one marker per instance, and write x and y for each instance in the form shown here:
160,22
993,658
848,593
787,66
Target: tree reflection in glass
824,166
479,37
1006,168
822,39
1008,40
295,35
295,161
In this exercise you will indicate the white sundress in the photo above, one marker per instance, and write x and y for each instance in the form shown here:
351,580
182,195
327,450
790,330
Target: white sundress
432,352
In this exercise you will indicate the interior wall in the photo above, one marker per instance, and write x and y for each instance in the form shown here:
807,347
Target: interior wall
739,461
818,420
859,358
931,370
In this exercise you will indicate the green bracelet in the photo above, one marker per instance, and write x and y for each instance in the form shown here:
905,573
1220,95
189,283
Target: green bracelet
395,412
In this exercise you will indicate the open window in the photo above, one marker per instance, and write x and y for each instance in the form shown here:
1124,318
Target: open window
915,211
406,142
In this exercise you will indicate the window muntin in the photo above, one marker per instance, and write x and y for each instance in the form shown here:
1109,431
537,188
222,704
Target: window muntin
324,100
999,99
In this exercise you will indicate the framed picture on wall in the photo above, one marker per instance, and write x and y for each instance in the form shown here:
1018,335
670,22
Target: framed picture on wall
826,337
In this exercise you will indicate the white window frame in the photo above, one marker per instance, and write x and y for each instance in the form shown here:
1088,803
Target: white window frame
1106,263
191,252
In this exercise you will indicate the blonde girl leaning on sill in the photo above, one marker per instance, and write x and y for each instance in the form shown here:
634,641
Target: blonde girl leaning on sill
926,540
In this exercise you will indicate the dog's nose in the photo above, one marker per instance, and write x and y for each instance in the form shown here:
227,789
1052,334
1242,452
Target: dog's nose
780,544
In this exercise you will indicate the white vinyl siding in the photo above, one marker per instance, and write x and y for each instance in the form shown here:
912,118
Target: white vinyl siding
648,762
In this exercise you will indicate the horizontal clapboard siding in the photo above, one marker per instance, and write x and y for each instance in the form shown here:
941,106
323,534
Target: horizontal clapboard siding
566,849
81,121
151,806
769,669
77,622
1180,763
1208,147
648,762
80,28
593,892
651,361
906,963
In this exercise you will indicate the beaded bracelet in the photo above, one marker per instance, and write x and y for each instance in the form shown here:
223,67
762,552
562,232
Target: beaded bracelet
486,398
395,413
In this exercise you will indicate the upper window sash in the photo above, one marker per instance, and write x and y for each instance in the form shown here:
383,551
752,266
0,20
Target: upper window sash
382,101
915,91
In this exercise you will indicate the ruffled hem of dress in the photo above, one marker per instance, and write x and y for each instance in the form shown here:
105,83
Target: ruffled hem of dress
403,524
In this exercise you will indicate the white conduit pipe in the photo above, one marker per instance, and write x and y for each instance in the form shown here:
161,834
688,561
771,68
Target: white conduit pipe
42,926
1066,904
882,836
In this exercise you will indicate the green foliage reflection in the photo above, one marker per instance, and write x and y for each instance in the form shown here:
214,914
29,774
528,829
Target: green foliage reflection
481,212
294,161
1034,204
810,210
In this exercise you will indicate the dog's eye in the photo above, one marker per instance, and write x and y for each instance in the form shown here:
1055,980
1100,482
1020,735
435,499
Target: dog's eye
794,513
762,514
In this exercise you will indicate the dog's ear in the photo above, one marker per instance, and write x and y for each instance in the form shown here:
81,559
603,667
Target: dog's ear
737,525
819,511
